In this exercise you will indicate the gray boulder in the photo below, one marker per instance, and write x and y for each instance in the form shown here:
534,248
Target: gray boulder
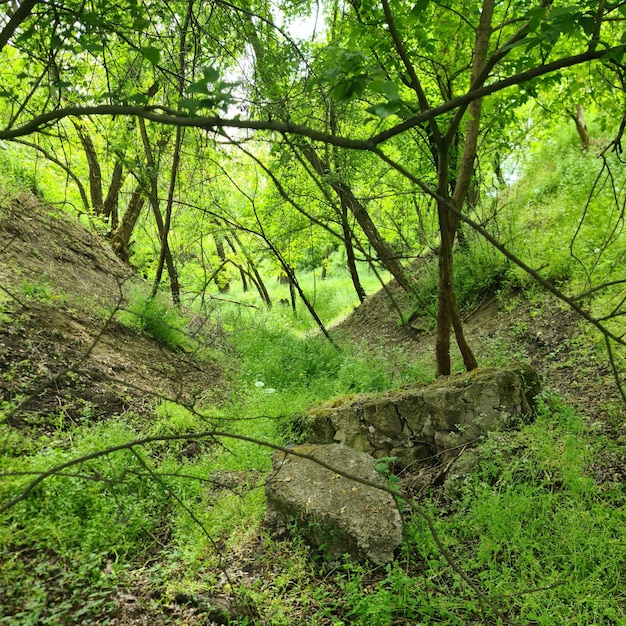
422,421
336,514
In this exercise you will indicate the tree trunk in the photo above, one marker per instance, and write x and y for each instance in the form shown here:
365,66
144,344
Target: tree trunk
448,316
581,127
350,257
325,262
153,196
223,286
120,237
258,281
242,272
110,207
348,200
95,172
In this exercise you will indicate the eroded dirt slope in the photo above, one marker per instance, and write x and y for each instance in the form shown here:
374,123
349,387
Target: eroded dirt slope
59,285
539,331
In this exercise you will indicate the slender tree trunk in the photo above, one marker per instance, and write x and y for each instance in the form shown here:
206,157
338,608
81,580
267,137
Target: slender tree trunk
165,256
325,263
581,127
258,281
242,272
153,196
223,286
20,15
448,316
348,200
350,257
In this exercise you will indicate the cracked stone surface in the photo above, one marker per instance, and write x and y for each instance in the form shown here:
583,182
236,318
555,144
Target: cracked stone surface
335,513
422,421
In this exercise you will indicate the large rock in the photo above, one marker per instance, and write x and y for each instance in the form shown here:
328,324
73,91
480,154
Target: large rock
419,422
335,513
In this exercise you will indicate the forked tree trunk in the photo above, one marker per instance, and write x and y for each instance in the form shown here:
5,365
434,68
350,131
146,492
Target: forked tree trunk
95,172
448,316
120,237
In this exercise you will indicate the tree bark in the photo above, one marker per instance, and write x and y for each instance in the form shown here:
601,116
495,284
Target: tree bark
242,271
581,127
325,262
350,257
223,286
120,237
95,171
258,281
348,200
153,196
448,316
110,206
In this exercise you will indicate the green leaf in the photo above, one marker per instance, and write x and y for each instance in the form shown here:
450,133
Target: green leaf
151,54
560,11
341,91
384,109
191,105
93,47
55,42
198,87
137,98
386,88
419,7
210,74
616,55
140,24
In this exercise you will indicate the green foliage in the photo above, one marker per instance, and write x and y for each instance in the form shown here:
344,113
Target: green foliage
41,289
566,209
15,175
530,518
481,271
157,318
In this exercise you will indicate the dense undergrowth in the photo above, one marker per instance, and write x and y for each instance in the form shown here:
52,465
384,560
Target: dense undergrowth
180,518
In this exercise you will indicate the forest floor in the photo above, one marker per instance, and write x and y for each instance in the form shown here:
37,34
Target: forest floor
66,354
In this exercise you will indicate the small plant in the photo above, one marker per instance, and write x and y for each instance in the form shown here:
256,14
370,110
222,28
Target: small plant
41,289
384,467
157,318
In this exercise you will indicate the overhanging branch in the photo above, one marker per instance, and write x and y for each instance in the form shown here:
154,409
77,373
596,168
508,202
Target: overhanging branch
215,123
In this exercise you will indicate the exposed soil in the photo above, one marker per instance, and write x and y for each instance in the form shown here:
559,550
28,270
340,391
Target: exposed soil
63,351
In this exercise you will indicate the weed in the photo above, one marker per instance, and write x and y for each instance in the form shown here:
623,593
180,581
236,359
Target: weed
157,318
